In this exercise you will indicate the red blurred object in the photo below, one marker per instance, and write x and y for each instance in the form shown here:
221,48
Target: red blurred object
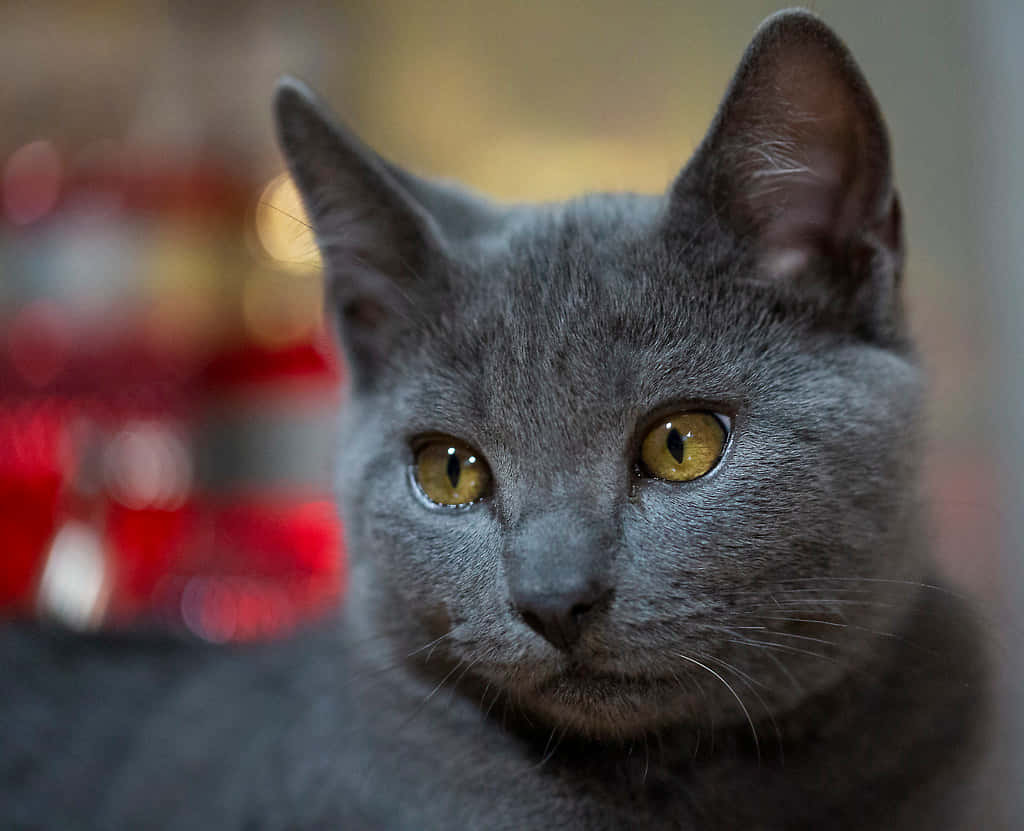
34,459
28,518
101,504
38,343
243,367
276,565
272,559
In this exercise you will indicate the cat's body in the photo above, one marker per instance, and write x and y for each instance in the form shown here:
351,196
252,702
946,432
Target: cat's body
582,644
314,733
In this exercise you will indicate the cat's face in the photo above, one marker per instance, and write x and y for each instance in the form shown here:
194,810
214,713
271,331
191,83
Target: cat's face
547,349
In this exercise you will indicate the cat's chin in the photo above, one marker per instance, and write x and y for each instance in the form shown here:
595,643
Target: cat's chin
612,706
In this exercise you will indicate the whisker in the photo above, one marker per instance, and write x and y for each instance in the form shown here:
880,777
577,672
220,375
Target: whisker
497,695
785,671
426,700
462,674
784,648
830,601
796,620
547,754
647,761
443,681
430,645
265,204
783,590
823,641
728,686
751,685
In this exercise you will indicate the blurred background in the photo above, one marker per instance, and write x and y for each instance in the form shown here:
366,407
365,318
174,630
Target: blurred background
165,386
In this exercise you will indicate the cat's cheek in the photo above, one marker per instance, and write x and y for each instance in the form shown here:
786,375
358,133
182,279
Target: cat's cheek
445,564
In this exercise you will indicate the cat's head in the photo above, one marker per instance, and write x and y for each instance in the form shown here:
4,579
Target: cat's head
682,428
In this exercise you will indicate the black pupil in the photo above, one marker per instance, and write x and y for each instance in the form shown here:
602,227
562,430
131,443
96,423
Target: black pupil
675,442
454,469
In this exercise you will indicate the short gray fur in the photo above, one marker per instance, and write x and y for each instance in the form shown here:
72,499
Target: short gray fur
771,653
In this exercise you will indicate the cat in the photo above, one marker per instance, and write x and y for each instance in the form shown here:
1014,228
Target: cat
630,491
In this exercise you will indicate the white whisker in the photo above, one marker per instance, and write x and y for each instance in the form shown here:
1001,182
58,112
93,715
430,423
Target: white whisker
728,686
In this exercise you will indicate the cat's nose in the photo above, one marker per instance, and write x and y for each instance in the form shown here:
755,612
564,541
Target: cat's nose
561,616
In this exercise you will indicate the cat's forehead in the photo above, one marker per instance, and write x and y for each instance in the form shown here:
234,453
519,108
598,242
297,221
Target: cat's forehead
593,280
585,315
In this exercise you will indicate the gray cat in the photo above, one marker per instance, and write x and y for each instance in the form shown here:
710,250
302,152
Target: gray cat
630,490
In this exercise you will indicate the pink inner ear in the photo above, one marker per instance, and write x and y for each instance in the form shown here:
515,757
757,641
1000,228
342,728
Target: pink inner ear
799,149
803,179
799,205
796,165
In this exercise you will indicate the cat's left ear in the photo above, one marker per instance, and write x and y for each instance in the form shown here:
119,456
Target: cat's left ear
797,163
382,248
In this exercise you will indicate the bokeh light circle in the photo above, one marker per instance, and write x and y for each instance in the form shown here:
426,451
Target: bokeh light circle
31,182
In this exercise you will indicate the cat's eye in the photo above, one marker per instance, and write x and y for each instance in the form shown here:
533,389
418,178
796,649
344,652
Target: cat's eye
683,446
450,472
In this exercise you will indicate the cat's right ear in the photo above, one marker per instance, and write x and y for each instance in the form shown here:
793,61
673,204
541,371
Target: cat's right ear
796,166
377,242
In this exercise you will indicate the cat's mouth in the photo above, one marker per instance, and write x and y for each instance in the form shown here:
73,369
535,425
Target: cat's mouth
603,702
579,679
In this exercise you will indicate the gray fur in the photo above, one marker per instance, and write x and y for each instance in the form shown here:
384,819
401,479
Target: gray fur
772,653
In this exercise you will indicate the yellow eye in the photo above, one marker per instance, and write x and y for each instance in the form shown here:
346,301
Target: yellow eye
450,472
683,446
